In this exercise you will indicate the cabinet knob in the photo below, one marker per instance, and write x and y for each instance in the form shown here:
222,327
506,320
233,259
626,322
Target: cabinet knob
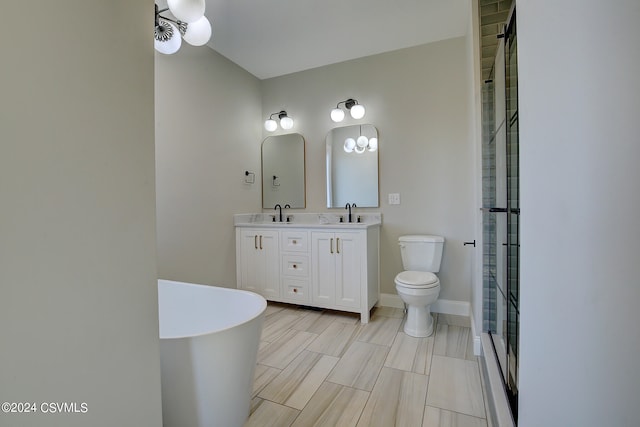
295,291
295,242
295,266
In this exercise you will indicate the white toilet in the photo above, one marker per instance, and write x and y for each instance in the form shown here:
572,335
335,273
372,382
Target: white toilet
418,286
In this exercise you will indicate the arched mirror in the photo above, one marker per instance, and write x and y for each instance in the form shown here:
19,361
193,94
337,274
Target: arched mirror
283,177
352,166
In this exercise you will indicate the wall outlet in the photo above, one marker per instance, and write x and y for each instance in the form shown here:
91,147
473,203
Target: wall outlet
394,198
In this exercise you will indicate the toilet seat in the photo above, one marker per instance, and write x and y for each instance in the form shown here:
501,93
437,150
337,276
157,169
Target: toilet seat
417,279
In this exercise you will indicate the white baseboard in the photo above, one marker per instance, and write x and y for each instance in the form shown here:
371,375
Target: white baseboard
477,341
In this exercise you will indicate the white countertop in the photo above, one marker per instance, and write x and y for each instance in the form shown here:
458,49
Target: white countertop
308,220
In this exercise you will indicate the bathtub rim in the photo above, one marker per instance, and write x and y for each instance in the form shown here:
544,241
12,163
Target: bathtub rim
260,311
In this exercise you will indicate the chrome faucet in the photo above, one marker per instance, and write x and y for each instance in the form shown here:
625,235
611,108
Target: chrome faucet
280,207
349,206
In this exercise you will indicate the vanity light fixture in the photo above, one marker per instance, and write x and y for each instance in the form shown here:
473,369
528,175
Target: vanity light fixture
286,122
190,23
357,110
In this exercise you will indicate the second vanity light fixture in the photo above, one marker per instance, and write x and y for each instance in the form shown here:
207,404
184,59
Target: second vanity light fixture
286,122
357,110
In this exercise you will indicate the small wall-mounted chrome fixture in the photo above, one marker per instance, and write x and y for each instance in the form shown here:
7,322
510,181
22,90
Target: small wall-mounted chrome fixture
190,23
357,110
360,144
286,122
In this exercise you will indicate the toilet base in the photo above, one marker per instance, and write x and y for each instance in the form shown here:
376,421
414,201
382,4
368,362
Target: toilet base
419,322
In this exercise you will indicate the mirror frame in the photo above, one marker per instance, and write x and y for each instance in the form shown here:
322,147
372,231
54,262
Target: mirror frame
337,168
288,174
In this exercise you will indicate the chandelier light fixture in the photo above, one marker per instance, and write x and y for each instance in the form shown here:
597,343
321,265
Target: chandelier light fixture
357,110
360,144
189,24
286,122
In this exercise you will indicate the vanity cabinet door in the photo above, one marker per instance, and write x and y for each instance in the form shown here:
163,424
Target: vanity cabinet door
323,267
259,270
348,269
336,269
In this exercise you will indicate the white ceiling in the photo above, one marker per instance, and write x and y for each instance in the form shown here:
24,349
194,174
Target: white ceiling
270,38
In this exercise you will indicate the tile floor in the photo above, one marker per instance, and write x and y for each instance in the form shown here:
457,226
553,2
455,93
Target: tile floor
324,368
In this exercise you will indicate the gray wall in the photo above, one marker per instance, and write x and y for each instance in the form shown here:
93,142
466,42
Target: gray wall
209,117
78,304
580,200
418,99
208,132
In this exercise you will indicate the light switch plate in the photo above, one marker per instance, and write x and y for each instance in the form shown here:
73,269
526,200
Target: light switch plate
394,198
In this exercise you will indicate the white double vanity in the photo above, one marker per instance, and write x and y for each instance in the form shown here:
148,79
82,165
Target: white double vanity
317,260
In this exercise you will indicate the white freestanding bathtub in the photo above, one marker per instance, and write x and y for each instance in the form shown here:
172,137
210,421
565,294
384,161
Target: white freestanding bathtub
209,339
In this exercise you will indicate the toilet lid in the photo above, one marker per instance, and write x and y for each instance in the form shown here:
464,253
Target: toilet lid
421,279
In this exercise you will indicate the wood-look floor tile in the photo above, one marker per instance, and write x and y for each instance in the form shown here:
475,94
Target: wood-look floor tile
360,365
282,351
335,339
389,312
453,319
436,417
454,384
333,405
269,414
396,400
276,324
410,354
314,322
453,341
263,376
380,330
342,316
295,385
273,307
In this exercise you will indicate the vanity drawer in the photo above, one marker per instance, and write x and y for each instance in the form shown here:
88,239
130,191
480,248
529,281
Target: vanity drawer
295,290
295,265
294,241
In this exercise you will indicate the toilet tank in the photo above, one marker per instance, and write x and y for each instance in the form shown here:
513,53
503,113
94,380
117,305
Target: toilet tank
421,252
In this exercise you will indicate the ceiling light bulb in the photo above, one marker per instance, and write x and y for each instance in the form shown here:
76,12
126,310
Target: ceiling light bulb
187,10
349,144
286,122
199,32
270,125
337,115
373,144
166,38
359,150
357,111
362,141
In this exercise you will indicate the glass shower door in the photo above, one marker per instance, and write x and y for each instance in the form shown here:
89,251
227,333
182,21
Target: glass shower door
501,212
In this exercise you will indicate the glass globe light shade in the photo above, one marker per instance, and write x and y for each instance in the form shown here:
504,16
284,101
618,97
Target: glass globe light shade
349,144
286,122
359,150
199,32
357,111
187,10
270,125
167,38
337,115
373,144
362,141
